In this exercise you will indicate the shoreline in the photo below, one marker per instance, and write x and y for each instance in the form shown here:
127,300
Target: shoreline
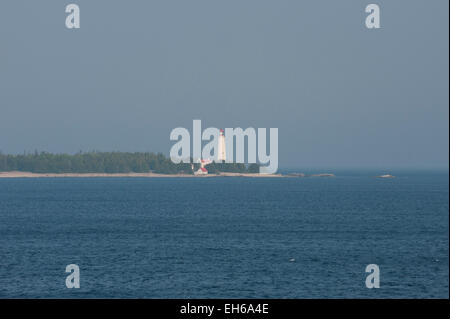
19,174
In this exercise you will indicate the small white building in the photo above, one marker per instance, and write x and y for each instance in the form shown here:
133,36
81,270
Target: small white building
201,171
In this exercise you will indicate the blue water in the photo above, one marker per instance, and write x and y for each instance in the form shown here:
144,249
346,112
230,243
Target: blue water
225,237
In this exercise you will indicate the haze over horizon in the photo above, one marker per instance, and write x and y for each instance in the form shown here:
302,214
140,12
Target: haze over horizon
342,96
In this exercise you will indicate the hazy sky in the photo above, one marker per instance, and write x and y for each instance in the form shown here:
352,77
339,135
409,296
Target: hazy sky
341,95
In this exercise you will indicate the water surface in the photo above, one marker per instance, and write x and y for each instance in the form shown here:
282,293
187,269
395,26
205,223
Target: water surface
225,237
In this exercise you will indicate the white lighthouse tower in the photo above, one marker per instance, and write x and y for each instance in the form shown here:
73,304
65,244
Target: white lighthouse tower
222,153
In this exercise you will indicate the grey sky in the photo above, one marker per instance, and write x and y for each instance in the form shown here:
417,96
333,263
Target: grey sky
340,94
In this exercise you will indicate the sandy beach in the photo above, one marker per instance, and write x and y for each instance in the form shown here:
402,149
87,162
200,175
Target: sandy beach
18,174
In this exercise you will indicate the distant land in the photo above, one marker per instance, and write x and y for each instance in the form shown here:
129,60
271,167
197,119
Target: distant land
18,174
110,163
120,164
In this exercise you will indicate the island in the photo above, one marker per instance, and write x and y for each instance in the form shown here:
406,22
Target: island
122,164
106,163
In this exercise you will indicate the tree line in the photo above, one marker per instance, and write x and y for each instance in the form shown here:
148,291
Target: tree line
109,162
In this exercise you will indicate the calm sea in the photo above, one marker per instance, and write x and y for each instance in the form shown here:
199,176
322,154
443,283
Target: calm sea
225,237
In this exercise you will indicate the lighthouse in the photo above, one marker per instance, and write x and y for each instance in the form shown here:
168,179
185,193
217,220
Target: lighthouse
222,153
